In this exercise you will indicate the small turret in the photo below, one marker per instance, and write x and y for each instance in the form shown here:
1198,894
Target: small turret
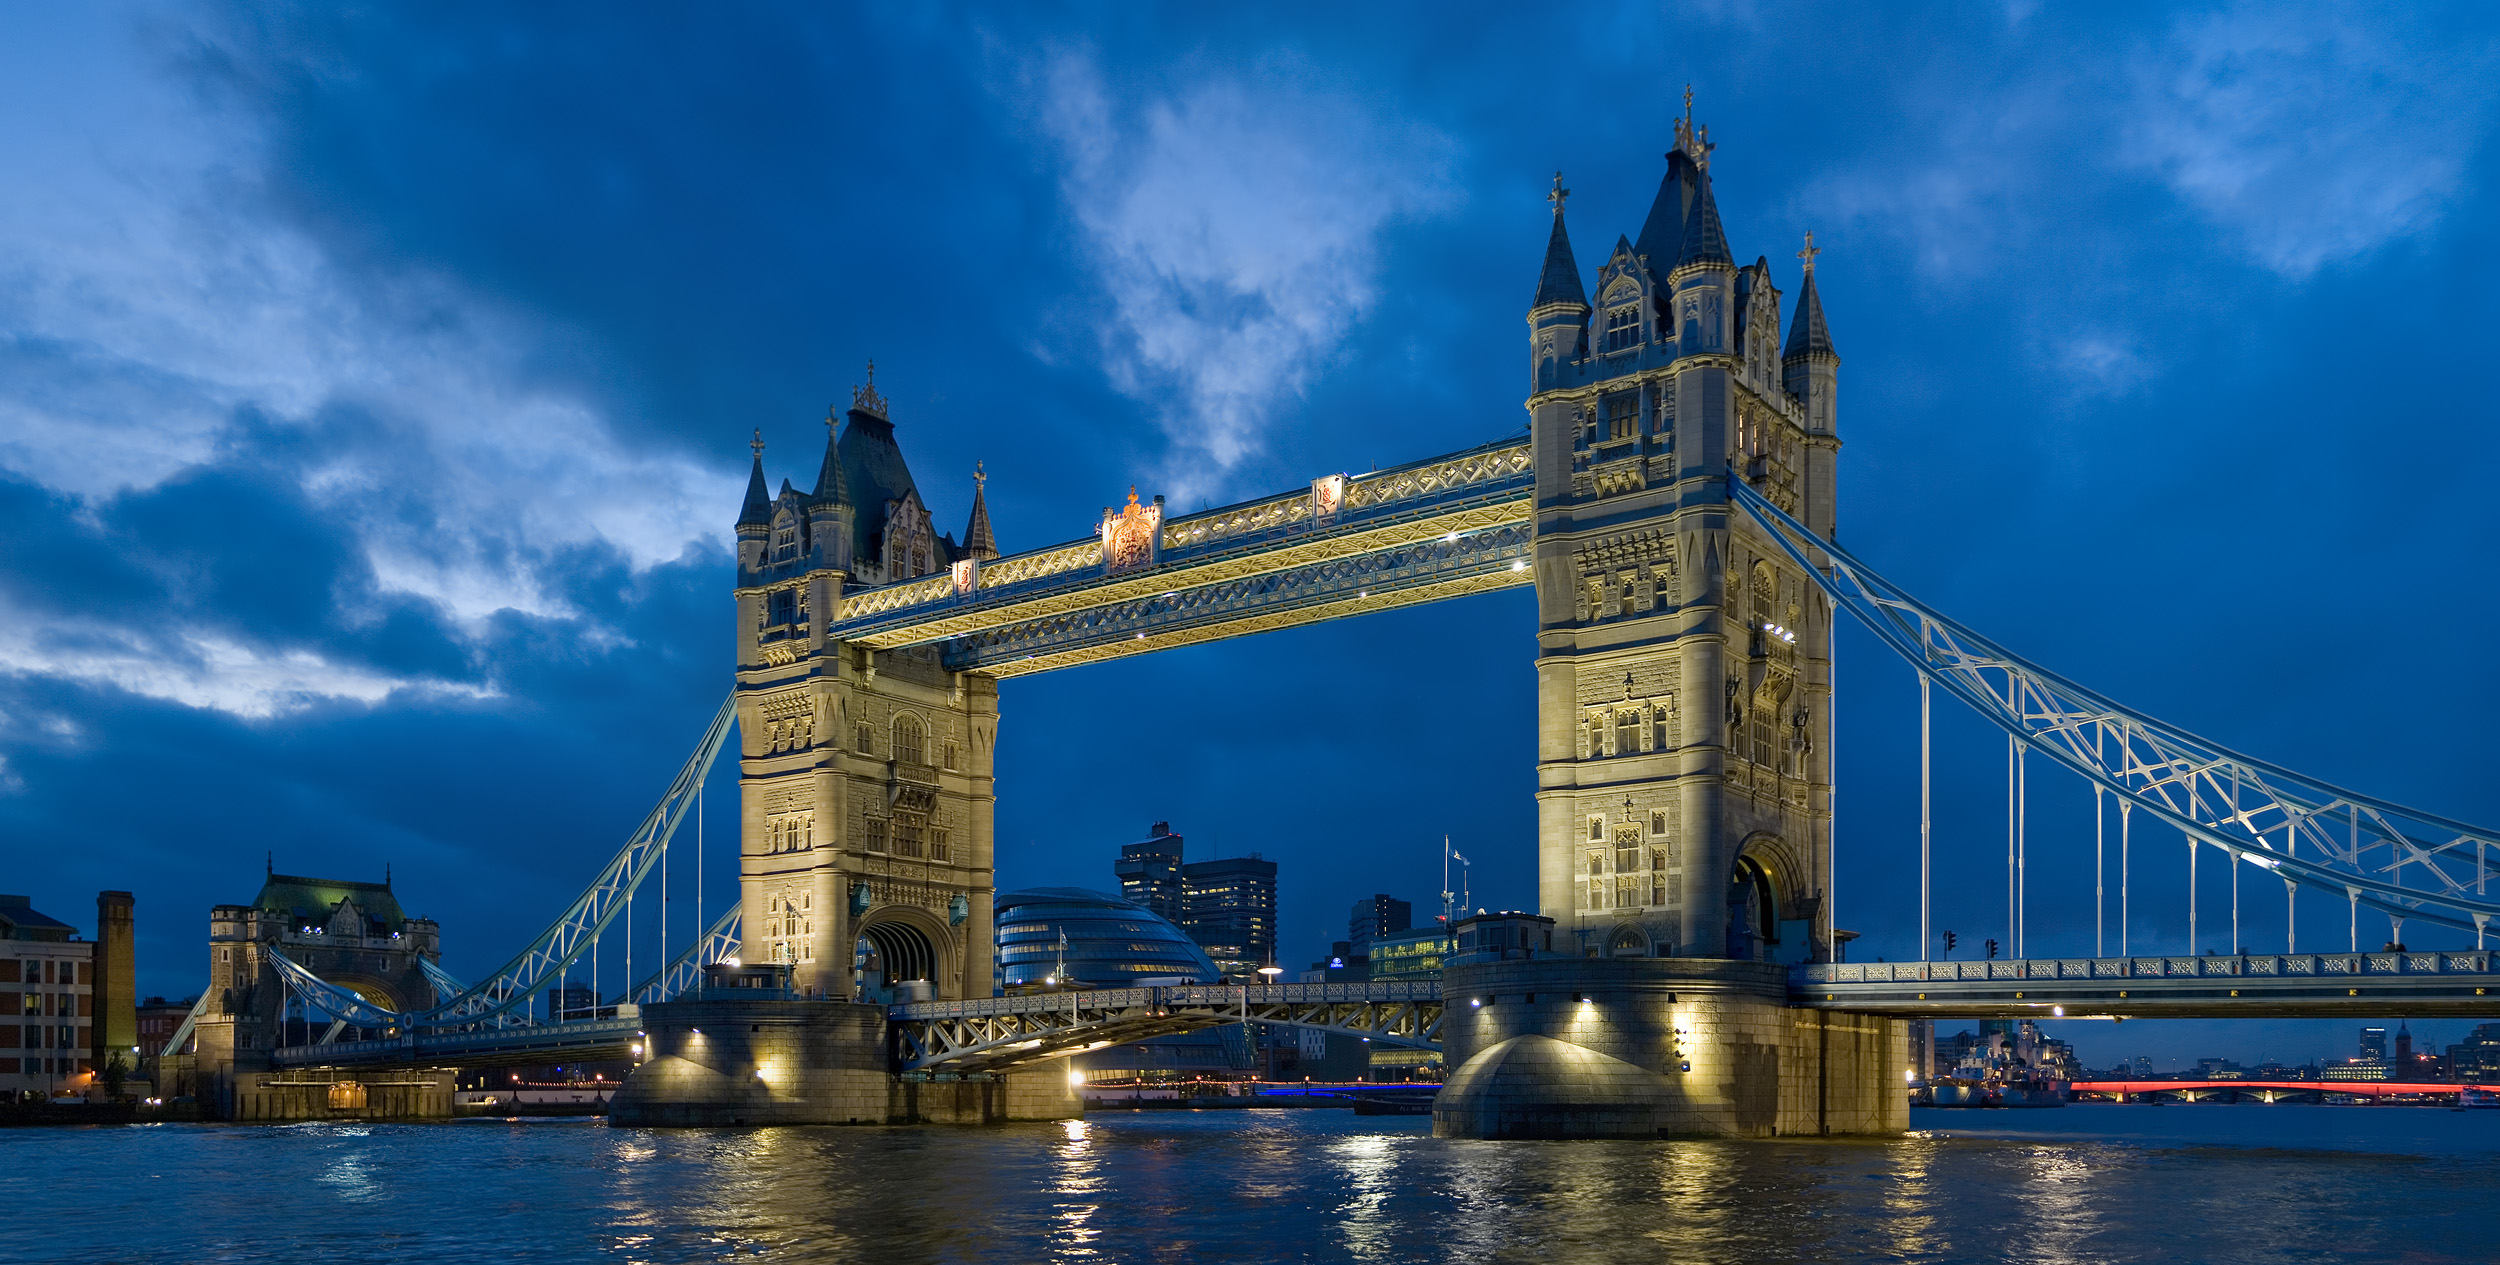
755,520
1558,321
829,509
978,540
1809,368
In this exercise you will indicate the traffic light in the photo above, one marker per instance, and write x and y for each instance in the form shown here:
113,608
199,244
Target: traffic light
1949,939
1992,949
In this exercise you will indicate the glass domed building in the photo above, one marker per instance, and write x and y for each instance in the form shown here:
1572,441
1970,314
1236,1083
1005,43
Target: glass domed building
1111,943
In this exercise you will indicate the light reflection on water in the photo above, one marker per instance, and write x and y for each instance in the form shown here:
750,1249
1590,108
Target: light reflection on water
2255,1184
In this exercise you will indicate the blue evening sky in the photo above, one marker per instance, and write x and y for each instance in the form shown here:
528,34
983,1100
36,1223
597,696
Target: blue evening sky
375,387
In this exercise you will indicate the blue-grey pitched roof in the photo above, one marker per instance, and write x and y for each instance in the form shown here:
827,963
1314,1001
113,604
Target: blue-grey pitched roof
1662,234
1705,242
759,506
874,475
1807,334
1560,282
829,484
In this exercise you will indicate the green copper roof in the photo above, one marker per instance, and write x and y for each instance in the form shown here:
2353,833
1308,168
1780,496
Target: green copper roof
315,899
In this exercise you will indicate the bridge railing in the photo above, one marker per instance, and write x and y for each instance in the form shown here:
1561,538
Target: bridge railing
2236,966
1195,995
1501,469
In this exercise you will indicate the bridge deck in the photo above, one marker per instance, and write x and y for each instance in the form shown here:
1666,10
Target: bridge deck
515,1046
991,1034
2322,985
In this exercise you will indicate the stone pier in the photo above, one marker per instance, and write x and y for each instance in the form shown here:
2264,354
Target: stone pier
717,1061
1564,1046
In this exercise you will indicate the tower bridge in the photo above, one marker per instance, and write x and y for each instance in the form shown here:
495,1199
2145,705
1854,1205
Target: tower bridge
1673,505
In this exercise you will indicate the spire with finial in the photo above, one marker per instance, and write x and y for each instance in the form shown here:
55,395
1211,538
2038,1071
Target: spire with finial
979,541
830,486
1705,239
758,511
865,398
1693,140
1807,334
1560,282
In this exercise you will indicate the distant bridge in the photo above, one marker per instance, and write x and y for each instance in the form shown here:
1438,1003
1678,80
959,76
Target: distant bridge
2306,985
2268,1090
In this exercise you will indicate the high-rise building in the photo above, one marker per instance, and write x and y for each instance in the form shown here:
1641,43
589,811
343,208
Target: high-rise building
1150,872
2476,1060
1376,916
2374,1044
1229,907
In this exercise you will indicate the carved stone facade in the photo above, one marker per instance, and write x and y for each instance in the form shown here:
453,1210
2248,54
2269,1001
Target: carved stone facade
865,853
1684,666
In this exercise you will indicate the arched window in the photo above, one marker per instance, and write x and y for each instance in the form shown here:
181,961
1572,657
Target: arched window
1627,731
908,746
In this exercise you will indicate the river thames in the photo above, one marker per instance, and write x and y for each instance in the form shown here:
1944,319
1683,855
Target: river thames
2243,1183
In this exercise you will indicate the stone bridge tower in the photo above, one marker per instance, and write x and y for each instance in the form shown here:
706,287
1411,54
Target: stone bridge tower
864,775
1683,663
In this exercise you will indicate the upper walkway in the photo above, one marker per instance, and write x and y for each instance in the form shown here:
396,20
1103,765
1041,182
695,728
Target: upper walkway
1347,545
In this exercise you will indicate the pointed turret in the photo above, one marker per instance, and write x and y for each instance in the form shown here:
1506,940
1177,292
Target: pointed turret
830,489
1705,241
978,541
1662,234
1559,284
1807,334
759,507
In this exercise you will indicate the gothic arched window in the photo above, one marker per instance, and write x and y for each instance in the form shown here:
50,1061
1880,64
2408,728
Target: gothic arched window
908,746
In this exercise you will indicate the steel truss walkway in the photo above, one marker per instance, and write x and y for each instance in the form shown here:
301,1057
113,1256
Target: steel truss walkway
996,1034
2302,985
1348,545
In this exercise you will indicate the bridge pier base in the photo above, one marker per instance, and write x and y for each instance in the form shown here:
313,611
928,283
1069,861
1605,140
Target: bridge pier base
720,1062
1549,1047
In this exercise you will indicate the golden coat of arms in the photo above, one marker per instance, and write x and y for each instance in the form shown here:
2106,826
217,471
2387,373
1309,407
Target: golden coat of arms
1130,536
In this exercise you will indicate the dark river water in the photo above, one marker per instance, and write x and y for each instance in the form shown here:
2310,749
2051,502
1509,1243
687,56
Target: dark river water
2087,1183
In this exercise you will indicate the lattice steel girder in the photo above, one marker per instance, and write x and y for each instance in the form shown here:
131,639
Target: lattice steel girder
565,940
2357,846
1002,1033
1455,562
1387,510
2286,985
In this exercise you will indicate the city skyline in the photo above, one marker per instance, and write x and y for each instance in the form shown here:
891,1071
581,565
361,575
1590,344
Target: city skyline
320,594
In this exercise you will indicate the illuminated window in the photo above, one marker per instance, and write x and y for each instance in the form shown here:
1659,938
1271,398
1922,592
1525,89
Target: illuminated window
1623,415
1627,731
1623,326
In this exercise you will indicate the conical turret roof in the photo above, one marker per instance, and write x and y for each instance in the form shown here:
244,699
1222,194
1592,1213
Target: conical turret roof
1807,334
830,488
1662,234
1705,241
978,540
1560,282
759,507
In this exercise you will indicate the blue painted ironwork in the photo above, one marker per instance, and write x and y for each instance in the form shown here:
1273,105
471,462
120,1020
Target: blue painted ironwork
1504,550
2416,983
915,611
989,1034
2305,830
563,943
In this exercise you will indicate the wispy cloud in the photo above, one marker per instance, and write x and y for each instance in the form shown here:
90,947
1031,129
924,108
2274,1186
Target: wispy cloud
159,315
2311,139
1234,227
209,672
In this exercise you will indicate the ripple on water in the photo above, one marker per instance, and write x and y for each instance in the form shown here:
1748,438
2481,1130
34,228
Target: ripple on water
2265,1184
